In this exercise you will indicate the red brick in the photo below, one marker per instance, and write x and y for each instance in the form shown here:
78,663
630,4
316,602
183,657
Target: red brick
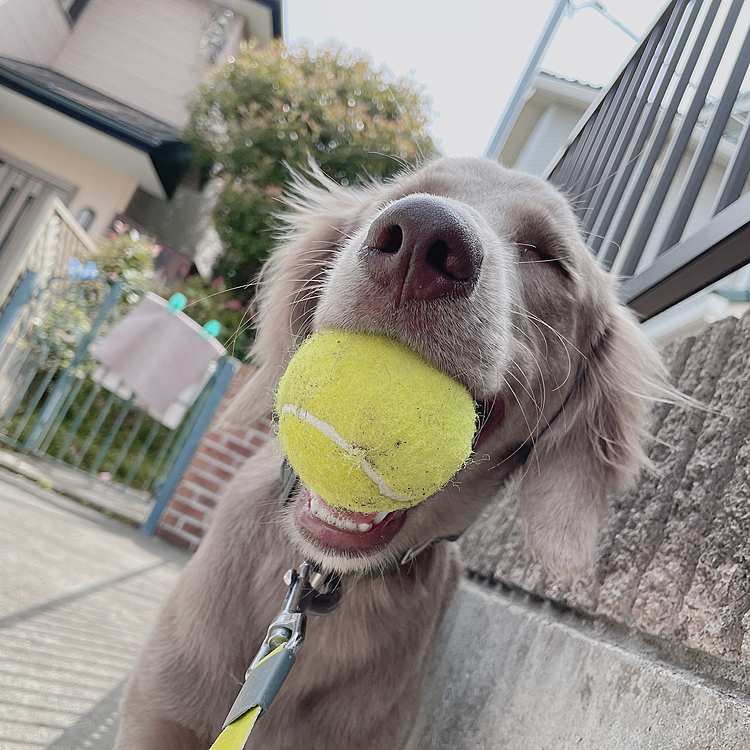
257,442
191,528
173,538
205,500
213,435
170,519
221,474
240,450
184,492
191,476
199,463
187,510
238,432
263,426
225,458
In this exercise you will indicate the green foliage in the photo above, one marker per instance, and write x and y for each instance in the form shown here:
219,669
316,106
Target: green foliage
129,257
276,107
213,301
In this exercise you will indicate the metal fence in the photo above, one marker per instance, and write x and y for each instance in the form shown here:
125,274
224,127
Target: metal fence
658,168
52,408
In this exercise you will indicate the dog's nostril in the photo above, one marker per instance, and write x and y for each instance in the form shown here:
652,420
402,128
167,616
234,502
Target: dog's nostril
389,240
452,265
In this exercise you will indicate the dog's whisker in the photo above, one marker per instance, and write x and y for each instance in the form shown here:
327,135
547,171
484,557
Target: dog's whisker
552,328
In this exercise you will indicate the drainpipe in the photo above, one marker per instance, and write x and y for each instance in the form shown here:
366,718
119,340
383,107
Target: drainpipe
517,99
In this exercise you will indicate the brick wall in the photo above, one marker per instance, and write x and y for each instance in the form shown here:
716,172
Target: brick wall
216,461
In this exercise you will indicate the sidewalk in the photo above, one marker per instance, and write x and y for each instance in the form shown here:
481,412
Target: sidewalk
74,483
78,593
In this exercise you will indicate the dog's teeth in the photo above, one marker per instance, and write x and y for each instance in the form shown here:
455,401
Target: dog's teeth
379,517
319,509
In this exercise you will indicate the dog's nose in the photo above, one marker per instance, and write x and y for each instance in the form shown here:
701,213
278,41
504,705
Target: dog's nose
423,249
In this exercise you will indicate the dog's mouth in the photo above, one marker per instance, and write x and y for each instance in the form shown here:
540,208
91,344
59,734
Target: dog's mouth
337,530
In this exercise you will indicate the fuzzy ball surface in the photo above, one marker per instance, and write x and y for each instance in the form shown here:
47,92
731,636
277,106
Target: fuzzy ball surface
369,425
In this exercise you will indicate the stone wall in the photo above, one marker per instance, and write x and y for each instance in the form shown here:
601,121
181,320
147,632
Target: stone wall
674,558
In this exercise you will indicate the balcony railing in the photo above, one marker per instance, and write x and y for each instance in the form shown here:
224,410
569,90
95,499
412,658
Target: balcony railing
51,239
658,168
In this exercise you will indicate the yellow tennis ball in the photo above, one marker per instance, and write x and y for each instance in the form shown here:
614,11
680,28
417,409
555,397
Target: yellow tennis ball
369,425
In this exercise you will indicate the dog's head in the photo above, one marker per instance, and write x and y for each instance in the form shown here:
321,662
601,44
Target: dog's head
482,271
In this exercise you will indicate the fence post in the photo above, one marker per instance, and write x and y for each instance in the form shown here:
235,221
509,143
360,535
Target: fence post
55,400
15,304
221,380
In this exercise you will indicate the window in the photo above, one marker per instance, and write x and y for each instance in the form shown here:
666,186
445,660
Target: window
73,8
86,218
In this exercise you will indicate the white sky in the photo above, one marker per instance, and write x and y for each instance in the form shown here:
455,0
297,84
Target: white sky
470,54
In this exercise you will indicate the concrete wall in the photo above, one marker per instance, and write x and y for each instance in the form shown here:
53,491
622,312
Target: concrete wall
513,674
47,28
144,53
99,188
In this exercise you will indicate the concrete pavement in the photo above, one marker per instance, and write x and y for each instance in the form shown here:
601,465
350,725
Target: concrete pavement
78,593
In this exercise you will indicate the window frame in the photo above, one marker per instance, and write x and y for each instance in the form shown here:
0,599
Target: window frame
74,11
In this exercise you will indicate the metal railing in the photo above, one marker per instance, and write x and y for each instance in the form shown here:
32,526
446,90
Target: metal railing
658,167
53,407
52,238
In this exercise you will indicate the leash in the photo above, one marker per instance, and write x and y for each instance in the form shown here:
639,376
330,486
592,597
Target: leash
310,592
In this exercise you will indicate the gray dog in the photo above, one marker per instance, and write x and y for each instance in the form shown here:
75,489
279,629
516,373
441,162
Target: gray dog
483,272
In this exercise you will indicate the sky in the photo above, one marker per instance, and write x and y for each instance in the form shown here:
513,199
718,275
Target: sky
470,54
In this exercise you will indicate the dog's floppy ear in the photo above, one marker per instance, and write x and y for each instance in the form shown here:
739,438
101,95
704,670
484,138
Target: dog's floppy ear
320,218
594,447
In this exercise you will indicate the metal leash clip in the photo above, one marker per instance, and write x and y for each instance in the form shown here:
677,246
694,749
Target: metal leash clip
310,592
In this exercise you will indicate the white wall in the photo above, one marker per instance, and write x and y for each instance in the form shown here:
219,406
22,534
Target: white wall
97,187
32,30
141,52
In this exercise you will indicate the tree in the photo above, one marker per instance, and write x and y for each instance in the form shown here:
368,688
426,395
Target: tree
273,108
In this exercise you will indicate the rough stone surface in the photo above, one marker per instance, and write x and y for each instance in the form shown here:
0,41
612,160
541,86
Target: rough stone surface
674,558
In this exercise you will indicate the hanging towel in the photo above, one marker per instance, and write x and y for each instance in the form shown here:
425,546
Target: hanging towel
158,354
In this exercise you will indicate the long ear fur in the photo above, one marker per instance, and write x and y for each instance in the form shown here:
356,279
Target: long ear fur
319,220
594,447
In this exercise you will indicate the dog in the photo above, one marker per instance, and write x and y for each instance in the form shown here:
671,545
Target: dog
483,272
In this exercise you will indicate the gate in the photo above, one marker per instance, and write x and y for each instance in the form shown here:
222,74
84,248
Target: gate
52,409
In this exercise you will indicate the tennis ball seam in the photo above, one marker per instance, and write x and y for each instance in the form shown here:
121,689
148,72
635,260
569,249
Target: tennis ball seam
331,433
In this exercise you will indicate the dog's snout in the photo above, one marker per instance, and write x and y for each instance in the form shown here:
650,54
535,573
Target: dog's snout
423,249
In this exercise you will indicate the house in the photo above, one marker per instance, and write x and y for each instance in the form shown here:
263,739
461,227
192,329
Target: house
551,110
92,99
